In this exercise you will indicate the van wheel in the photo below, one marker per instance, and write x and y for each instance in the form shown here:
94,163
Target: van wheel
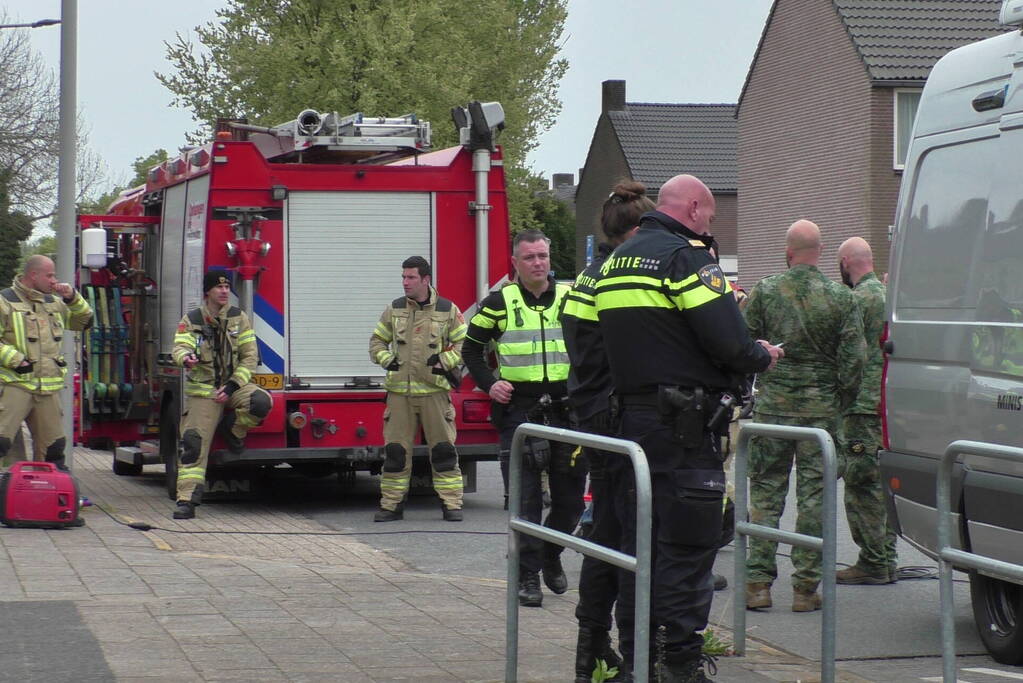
169,450
998,613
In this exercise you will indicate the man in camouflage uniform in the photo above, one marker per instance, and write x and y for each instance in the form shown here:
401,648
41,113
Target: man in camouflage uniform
820,325
35,311
216,345
419,342
861,430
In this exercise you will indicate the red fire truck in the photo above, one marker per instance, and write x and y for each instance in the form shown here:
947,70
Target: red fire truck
313,218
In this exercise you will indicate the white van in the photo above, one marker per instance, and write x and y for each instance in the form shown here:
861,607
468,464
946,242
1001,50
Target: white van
954,344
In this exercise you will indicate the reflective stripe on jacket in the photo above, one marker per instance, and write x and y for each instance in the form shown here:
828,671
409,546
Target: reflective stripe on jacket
411,333
33,327
225,345
531,347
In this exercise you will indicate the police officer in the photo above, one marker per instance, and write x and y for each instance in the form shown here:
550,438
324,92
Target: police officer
861,430
522,321
676,343
32,368
589,394
419,342
217,346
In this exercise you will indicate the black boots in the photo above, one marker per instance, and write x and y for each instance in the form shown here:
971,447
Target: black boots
184,510
554,576
529,590
450,514
690,671
594,644
384,515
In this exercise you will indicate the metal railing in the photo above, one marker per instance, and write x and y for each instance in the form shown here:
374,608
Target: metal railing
826,543
639,565
949,556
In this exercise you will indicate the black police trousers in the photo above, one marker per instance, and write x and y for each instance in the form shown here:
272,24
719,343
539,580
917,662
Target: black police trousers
598,581
688,486
567,481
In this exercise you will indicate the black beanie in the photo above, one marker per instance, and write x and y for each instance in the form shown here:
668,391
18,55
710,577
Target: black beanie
214,278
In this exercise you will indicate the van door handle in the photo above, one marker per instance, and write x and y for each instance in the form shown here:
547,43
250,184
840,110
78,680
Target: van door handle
888,346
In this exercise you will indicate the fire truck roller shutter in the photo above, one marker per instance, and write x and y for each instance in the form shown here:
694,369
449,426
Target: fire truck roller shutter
347,247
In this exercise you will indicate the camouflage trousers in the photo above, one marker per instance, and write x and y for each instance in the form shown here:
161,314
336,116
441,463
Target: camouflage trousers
770,463
865,508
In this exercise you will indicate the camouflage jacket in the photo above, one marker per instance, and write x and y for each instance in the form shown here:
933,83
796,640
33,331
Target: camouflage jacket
869,294
822,330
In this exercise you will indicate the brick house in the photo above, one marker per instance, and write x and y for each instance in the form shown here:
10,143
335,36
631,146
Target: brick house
825,116
651,143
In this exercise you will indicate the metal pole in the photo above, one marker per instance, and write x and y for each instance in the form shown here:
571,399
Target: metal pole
481,167
829,532
948,626
511,649
741,510
66,195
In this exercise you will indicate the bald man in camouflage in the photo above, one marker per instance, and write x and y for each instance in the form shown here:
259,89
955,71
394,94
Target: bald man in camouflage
818,379
860,437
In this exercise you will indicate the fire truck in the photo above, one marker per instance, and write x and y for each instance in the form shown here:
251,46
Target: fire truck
312,218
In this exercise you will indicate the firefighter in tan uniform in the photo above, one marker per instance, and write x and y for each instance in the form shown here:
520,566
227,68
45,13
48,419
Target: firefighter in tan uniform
419,342
217,346
32,368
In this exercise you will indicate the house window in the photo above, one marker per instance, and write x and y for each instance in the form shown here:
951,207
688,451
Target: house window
906,103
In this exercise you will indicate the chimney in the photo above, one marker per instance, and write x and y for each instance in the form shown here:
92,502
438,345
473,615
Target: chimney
562,180
612,96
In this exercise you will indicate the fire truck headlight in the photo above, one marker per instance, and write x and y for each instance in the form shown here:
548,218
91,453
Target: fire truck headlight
265,249
231,250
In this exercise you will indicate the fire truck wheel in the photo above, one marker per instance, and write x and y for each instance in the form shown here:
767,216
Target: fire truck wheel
126,469
169,451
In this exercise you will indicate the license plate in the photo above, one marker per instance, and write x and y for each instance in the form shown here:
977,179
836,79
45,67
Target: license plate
267,381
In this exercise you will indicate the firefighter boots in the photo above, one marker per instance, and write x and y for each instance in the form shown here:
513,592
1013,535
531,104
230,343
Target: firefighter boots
384,515
184,510
554,576
529,590
451,515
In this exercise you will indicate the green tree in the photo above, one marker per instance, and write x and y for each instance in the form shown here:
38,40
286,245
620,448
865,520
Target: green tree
557,222
141,166
15,227
269,59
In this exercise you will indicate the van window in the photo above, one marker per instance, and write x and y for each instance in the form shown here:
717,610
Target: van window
944,233
999,275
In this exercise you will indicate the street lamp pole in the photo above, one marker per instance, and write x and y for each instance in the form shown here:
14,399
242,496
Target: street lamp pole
66,194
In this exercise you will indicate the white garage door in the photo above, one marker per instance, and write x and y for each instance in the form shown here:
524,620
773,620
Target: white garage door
344,265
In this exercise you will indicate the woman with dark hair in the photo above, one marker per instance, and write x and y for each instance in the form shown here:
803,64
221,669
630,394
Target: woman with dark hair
589,393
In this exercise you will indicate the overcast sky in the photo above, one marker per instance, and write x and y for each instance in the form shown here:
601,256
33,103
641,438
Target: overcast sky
665,50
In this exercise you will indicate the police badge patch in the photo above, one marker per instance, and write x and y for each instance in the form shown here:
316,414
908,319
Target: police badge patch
712,276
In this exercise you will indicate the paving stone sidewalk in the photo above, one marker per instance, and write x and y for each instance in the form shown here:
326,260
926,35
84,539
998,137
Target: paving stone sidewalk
160,606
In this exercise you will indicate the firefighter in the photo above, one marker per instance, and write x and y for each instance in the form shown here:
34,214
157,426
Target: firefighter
675,342
32,368
522,319
419,342
216,345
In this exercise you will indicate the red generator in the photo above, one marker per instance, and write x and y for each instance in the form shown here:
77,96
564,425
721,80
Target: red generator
37,494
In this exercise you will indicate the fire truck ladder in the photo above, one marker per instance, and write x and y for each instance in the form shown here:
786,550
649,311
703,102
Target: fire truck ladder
356,134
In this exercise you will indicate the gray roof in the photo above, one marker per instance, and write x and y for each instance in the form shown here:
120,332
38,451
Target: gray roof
663,140
900,40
